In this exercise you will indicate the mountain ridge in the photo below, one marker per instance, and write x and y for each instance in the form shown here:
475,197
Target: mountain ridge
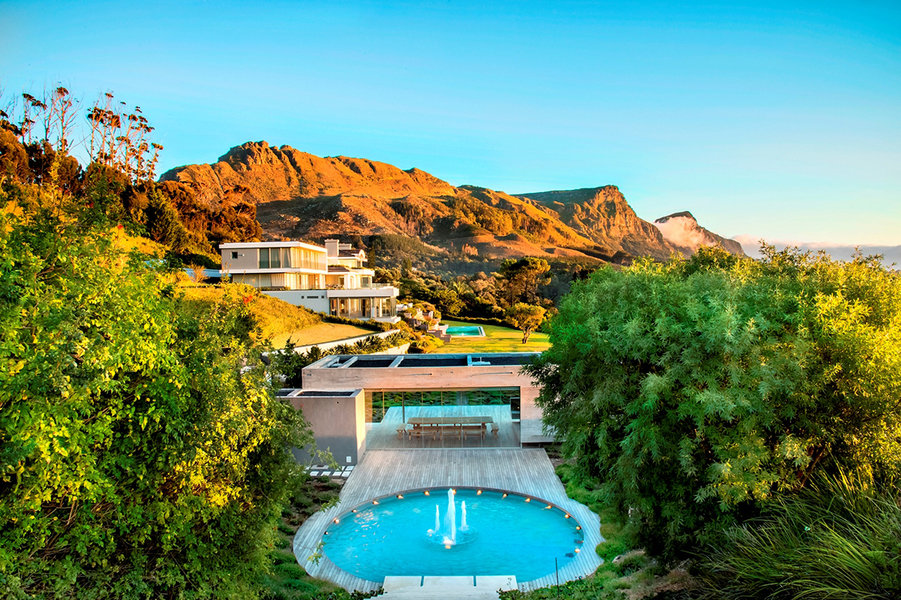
301,195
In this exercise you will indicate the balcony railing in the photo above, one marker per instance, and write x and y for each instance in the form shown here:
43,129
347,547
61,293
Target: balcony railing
362,286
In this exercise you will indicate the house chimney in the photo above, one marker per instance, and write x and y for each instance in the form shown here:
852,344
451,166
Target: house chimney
331,247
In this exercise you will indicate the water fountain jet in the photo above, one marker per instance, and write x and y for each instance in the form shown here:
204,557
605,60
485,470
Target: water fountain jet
450,520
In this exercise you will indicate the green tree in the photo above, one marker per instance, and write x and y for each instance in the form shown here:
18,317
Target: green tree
142,451
525,317
518,280
697,390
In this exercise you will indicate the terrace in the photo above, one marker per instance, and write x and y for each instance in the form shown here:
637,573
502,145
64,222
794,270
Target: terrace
460,401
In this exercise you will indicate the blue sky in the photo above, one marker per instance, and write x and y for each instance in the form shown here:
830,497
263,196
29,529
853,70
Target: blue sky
763,119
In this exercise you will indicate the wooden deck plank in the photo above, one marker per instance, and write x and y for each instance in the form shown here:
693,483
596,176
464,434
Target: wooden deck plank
385,472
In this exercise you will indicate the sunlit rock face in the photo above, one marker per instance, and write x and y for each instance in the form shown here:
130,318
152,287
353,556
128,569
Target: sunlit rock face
681,229
297,195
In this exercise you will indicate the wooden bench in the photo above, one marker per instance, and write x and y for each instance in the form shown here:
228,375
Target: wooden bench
422,430
473,430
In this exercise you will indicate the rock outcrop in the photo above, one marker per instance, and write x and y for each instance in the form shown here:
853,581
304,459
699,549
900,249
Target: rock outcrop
602,215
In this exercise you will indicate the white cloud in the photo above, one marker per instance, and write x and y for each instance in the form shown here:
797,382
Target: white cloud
683,231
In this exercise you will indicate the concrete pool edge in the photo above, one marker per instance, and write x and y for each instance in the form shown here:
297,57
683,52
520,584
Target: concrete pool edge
306,545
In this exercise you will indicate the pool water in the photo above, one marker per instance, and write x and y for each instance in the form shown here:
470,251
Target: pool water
465,331
506,535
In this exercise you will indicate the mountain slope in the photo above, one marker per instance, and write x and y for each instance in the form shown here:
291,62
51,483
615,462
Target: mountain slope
300,195
603,215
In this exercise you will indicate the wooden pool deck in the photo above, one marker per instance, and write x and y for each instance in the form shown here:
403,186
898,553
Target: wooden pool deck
386,472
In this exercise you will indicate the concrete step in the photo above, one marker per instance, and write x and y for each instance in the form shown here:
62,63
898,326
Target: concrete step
438,595
480,587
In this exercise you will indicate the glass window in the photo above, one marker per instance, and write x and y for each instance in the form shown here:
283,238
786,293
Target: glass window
270,258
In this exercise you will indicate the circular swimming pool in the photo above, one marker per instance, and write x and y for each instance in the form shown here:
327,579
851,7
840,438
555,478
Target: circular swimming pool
453,532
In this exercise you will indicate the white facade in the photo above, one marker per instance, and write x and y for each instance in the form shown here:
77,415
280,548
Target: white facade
330,279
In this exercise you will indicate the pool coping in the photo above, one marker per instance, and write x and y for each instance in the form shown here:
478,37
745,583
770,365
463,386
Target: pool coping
531,466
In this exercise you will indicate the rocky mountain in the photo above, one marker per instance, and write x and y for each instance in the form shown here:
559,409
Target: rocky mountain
603,215
302,196
681,229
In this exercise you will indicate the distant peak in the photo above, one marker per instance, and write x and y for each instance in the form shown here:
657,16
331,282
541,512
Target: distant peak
677,215
682,230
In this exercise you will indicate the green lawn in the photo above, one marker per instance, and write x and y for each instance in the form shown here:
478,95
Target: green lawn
497,339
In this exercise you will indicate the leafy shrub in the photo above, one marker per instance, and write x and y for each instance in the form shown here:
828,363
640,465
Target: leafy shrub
697,390
285,529
143,453
610,549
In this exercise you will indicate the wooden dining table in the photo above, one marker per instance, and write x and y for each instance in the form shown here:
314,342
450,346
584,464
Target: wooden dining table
457,425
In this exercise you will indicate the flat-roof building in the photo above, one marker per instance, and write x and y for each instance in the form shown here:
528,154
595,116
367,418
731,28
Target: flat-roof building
473,400
330,279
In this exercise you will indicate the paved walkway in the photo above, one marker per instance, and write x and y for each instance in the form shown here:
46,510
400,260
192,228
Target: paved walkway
387,472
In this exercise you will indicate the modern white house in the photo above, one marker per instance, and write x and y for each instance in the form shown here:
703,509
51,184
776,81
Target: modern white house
332,279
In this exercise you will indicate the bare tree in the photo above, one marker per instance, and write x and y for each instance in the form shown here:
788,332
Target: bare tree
120,139
59,118
29,104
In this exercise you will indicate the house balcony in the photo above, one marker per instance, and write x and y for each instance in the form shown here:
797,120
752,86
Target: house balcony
370,291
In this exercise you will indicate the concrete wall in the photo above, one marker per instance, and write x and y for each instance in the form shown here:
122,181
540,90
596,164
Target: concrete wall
530,417
247,258
313,299
338,422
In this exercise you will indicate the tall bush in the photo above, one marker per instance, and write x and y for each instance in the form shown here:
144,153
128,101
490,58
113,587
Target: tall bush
696,390
142,451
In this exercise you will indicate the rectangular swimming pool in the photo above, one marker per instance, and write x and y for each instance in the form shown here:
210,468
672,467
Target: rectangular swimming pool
465,331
